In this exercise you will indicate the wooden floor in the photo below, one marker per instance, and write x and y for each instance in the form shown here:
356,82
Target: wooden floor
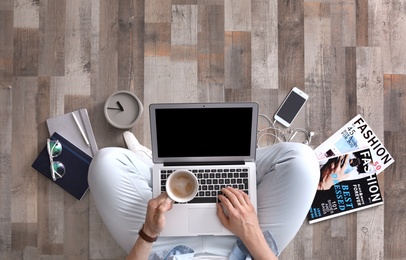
57,56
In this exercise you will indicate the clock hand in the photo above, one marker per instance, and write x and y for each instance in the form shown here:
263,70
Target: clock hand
119,104
121,108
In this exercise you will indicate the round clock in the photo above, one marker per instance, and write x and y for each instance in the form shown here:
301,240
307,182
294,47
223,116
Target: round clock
123,109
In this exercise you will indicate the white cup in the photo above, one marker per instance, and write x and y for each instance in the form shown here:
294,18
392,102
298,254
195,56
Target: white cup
182,186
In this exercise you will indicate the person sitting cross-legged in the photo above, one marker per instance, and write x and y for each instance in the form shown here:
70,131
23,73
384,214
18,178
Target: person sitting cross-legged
120,182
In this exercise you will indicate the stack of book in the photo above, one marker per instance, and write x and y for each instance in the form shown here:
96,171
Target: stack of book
66,157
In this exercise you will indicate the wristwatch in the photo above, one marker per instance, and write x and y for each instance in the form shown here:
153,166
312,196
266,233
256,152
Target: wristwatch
144,236
123,109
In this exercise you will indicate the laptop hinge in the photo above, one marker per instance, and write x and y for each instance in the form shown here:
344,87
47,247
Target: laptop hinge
203,163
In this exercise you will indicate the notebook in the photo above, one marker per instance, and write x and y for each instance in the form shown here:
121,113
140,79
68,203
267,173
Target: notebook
75,163
217,142
66,126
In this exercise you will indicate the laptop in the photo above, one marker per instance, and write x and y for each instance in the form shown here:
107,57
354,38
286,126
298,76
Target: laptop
215,141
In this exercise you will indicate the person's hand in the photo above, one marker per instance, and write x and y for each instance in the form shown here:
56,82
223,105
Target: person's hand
153,225
340,166
155,217
241,218
334,173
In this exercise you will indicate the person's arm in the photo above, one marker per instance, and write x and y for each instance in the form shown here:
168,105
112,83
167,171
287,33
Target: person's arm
154,224
242,220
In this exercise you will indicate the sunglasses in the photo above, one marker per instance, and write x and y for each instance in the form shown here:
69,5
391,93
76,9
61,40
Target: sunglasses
54,150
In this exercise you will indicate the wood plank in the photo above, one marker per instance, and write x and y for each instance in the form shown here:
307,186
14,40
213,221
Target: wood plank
395,187
76,244
237,60
184,25
156,87
136,70
393,37
157,39
210,46
25,56
49,206
268,104
157,11
394,184
131,46
361,22
237,95
52,38
24,234
318,69
351,81
24,177
6,46
376,23
349,26
370,223
340,66
26,39
290,46
264,45
185,2
7,5
77,56
106,72
101,243
5,170
237,15
394,102
26,14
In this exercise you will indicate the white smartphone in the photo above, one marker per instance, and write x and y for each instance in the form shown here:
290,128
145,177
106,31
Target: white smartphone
291,106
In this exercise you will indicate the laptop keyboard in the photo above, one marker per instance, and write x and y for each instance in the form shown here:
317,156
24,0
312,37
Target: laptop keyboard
211,181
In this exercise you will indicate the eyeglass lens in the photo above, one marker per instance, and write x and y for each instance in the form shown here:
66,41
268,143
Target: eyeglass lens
54,150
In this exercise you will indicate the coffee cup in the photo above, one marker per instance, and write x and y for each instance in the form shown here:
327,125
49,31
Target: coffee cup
182,186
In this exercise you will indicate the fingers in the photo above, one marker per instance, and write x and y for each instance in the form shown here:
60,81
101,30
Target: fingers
236,212
164,204
159,205
222,216
237,197
155,217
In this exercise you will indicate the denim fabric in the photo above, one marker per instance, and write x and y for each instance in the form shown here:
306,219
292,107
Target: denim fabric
239,252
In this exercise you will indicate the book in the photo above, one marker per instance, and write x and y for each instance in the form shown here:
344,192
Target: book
66,126
356,134
348,183
73,162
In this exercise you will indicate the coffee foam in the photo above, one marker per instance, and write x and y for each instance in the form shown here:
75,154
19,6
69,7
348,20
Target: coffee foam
182,185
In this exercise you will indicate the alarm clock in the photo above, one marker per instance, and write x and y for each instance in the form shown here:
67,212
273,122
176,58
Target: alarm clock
123,109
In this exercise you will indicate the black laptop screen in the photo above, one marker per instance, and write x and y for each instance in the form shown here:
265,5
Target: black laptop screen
204,132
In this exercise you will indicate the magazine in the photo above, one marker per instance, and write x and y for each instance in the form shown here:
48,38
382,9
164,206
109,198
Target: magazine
356,134
348,183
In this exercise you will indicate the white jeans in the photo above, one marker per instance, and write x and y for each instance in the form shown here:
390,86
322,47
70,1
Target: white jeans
287,176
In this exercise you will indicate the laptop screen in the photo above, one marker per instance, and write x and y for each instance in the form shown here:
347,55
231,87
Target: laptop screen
204,132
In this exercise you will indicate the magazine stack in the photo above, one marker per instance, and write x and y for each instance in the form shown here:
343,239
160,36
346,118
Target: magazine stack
350,161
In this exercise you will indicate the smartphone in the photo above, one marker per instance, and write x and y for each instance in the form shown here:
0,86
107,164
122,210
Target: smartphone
291,106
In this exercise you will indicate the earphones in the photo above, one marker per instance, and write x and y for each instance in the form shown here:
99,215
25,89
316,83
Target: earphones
282,136
308,135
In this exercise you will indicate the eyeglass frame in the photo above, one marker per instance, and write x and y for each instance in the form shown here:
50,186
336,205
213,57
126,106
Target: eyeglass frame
51,159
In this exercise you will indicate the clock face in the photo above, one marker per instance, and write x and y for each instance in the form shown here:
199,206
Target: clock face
122,109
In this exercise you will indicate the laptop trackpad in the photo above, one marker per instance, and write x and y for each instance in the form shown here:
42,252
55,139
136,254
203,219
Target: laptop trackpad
204,221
